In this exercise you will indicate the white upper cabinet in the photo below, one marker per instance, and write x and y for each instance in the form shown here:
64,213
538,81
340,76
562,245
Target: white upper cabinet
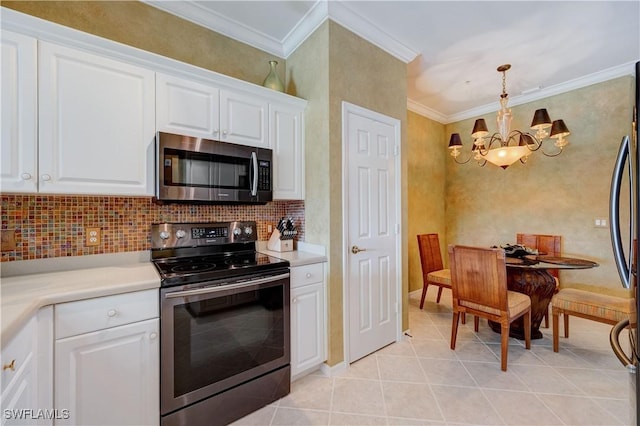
187,107
18,159
243,119
286,126
96,124
195,109
80,114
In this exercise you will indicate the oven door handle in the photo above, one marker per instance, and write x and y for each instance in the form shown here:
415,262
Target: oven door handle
218,288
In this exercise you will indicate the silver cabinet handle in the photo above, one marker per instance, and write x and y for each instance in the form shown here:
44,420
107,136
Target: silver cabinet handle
356,250
46,177
26,176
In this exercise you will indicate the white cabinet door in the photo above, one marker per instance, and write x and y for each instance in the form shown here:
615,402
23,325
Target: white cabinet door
110,377
243,119
19,386
187,108
307,327
96,124
288,152
27,373
18,159
195,109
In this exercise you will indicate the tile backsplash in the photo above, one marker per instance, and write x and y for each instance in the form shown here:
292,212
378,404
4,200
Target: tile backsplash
54,225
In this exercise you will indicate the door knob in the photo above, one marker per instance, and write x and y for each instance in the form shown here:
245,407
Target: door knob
356,250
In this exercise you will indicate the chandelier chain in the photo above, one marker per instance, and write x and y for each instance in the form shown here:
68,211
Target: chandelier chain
504,83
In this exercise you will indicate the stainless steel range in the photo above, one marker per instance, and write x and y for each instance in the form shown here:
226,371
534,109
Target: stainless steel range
224,322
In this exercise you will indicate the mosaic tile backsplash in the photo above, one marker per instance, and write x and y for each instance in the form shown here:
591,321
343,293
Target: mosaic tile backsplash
53,226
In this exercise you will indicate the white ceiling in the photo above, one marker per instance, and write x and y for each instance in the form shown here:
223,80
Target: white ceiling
452,47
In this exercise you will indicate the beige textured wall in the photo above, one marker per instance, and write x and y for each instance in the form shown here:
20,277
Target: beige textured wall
561,195
333,66
137,24
364,75
308,76
426,185
308,72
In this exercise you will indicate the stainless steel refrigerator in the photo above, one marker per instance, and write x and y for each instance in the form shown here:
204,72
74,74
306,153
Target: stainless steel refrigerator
625,233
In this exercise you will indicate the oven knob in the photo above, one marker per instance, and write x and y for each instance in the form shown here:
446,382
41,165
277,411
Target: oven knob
180,233
248,230
237,232
164,235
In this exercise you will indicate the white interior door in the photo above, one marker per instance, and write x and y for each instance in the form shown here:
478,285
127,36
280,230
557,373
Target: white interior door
371,211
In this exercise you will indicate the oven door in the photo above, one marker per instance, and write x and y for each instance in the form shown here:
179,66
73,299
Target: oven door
217,335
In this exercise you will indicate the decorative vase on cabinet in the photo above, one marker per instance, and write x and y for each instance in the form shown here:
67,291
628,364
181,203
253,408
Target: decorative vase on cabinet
272,81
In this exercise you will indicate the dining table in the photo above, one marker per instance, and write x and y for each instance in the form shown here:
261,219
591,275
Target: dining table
530,275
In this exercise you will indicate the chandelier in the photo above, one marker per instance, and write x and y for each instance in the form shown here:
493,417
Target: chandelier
505,147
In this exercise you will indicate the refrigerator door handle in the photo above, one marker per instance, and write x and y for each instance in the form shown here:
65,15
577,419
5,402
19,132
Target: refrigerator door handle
614,212
614,340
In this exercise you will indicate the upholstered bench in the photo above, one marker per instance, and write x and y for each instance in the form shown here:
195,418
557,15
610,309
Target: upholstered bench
594,306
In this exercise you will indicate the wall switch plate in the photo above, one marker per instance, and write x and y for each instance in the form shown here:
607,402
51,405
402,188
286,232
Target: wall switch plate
92,236
8,239
600,222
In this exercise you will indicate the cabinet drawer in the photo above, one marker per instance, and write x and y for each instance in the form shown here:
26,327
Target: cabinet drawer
307,274
19,351
89,315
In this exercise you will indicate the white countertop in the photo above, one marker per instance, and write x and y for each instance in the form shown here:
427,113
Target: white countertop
306,254
94,276
29,285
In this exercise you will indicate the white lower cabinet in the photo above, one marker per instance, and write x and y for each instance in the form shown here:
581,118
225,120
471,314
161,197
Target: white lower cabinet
308,318
27,374
109,373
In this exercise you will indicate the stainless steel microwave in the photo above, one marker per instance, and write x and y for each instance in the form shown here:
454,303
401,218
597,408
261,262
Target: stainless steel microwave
197,170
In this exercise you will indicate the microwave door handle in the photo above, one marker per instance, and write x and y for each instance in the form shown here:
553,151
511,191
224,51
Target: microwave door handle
254,167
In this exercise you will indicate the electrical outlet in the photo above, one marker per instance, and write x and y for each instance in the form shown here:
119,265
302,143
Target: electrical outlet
92,236
8,239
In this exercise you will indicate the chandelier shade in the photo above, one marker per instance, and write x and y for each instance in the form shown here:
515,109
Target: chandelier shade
541,119
507,146
480,128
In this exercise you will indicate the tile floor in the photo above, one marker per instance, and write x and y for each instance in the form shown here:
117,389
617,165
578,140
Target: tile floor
420,381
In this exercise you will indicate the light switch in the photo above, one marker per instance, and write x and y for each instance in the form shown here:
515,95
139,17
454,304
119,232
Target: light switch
600,222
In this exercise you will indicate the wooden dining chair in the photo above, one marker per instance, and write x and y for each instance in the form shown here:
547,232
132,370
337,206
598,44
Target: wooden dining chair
432,270
548,245
479,287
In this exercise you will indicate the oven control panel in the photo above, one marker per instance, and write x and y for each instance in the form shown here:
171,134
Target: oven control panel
172,235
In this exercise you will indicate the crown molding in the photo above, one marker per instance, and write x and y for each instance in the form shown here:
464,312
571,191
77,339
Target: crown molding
193,12
321,11
345,16
305,27
424,111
